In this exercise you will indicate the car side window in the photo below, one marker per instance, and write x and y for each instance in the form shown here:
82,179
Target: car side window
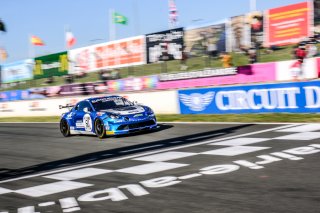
83,105
77,107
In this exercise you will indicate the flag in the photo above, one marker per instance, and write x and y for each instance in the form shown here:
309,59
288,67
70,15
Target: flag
36,41
173,14
119,19
70,39
2,26
3,54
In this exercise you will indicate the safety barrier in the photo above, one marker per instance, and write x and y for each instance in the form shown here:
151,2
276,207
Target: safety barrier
162,102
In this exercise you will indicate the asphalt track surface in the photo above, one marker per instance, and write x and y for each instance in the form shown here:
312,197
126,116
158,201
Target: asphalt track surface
177,168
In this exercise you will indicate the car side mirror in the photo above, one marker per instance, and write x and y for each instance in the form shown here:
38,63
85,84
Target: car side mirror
86,110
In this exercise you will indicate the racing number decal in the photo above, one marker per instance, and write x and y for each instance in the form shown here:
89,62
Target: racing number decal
87,122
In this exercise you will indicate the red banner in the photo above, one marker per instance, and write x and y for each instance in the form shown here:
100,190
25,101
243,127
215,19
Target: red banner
289,24
120,54
114,54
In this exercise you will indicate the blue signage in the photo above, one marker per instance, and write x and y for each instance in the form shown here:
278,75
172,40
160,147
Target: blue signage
297,97
17,71
14,95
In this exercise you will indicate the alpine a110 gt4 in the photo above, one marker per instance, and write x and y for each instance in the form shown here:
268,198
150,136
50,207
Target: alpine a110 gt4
110,115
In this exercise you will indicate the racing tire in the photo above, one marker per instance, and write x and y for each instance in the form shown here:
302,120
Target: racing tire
99,129
64,128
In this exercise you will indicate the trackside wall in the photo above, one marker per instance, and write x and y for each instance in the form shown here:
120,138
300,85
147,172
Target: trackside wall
163,102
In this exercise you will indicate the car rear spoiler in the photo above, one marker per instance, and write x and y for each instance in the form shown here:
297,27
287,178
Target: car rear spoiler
66,106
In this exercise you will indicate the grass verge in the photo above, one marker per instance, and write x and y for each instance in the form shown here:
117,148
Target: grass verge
247,118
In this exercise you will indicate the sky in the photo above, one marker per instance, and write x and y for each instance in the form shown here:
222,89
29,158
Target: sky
89,21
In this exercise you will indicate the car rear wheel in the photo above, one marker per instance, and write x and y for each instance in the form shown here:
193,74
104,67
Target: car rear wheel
99,129
64,128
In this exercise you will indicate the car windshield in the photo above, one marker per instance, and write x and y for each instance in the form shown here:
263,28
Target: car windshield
110,103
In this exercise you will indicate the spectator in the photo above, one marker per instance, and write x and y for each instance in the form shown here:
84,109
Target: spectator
252,53
226,59
300,52
212,50
244,49
296,69
69,79
312,50
81,74
274,48
115,74
295,48
184,59
104,75
49,80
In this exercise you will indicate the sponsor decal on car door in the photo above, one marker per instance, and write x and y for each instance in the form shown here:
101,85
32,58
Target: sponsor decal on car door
87,121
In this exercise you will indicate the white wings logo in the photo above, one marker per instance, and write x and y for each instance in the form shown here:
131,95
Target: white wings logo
196,101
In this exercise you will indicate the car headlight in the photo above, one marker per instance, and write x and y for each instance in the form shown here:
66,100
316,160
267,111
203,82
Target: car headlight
114,116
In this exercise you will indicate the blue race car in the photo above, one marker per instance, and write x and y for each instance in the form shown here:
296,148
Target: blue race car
110,115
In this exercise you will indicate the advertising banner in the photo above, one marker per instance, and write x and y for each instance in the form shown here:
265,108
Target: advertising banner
68,90
109,55
165,45
14,95
264,72
285,70
289,24
51,65
318,66
210,72
239,33
300,97
17,71
133,84
316,15
84,89
199,40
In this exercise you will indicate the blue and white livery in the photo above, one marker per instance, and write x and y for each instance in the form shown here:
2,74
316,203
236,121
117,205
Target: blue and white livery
110,115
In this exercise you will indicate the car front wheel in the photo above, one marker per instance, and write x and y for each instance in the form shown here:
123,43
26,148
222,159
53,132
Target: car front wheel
99,129
64,128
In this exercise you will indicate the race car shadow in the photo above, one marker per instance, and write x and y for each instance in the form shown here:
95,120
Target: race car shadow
120,152
160,127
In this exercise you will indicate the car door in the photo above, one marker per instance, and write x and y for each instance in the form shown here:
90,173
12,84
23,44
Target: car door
82,117
78,116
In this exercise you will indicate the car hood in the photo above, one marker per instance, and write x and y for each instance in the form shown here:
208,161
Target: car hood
128,110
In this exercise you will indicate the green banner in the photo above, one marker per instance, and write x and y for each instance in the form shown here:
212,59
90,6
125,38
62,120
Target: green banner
51,65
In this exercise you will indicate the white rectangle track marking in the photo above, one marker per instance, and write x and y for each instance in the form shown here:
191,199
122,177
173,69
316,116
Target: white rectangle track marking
4,191
151,168
165,156
151,152
300,136
241,141
51,188
303,128
234,150
78,174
